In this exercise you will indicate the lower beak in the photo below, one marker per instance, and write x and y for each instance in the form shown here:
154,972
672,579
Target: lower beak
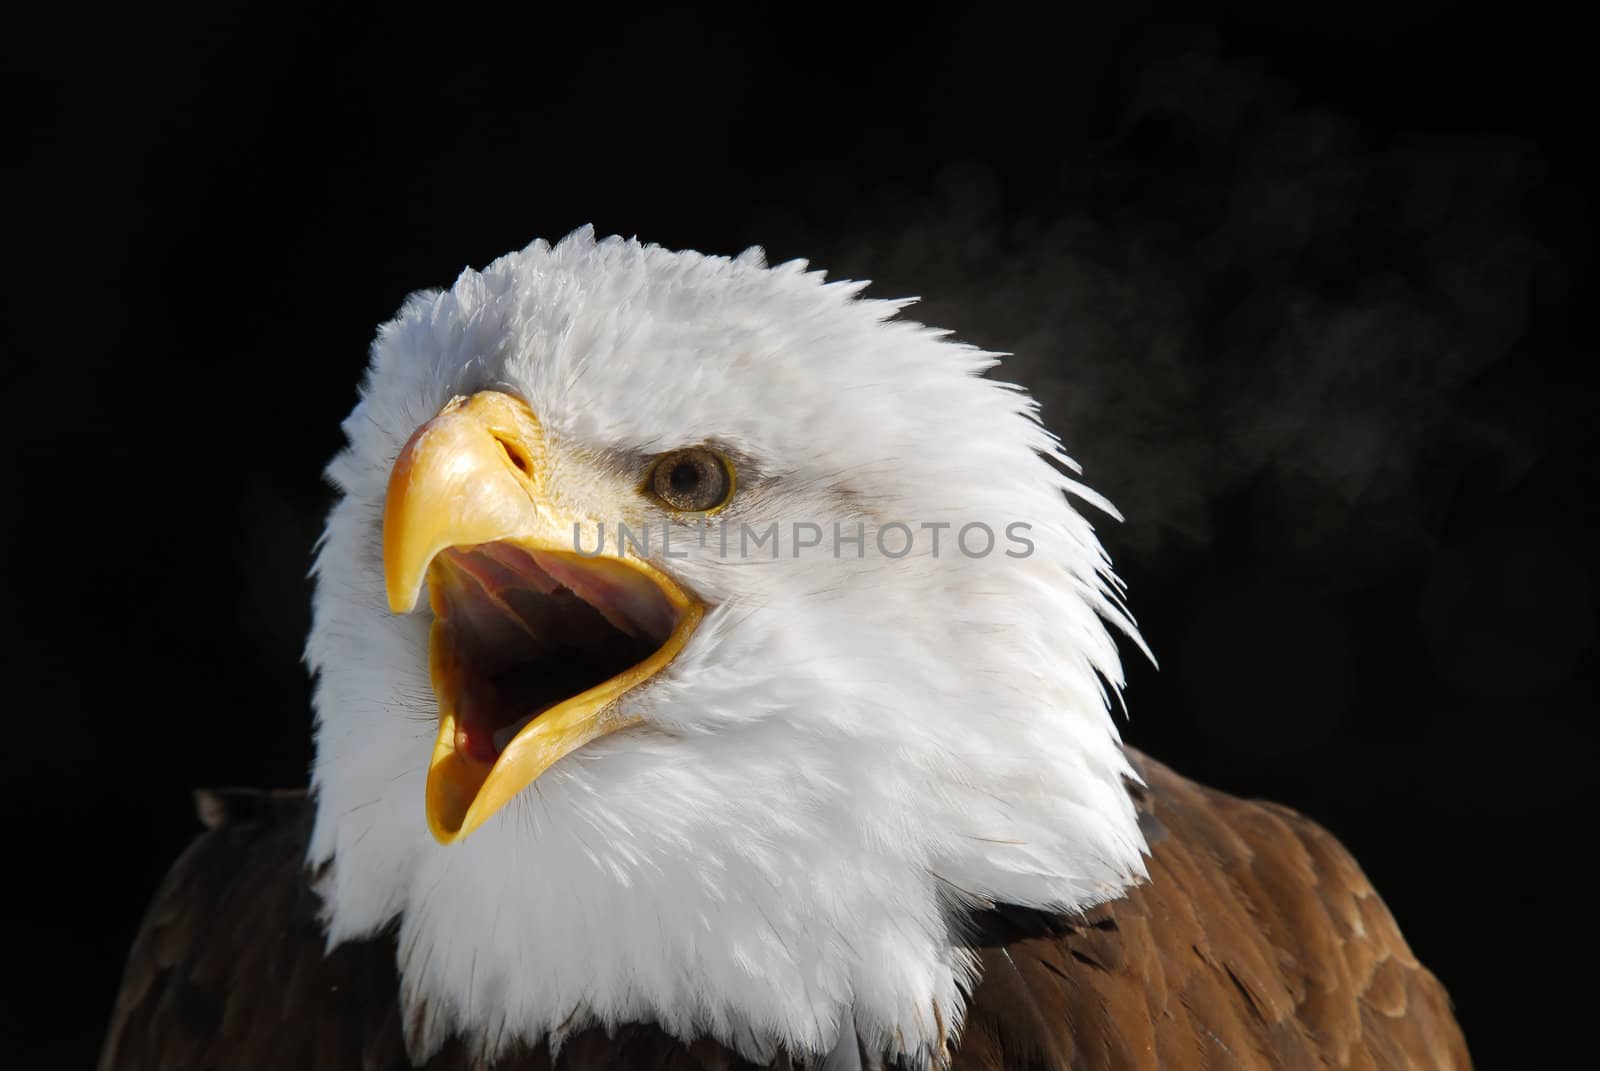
533,646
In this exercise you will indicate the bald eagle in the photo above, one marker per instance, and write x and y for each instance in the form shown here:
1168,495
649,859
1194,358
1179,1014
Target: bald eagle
657,727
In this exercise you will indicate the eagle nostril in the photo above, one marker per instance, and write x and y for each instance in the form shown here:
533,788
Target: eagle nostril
516,456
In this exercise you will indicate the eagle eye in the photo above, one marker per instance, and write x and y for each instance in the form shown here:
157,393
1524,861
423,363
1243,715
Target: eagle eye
694,480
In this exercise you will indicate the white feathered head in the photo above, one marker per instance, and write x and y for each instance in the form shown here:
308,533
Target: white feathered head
838,674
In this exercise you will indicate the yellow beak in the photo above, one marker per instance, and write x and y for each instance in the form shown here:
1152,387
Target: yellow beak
470,513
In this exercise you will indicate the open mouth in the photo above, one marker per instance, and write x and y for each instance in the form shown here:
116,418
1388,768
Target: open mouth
522,635
533,648
519,632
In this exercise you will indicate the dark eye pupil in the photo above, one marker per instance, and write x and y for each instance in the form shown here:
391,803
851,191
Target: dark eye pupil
684,477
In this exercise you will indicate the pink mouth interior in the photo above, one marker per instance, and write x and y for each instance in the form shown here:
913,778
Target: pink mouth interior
528,630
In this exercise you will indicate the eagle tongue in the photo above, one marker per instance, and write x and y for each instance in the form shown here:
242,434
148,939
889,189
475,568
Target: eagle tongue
469,696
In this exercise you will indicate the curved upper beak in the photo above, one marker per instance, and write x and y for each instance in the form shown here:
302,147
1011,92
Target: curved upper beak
471,514
470,475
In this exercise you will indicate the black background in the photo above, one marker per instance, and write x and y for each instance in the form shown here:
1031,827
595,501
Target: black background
1306,289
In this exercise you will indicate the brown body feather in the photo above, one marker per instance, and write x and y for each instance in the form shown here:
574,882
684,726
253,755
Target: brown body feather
1256,943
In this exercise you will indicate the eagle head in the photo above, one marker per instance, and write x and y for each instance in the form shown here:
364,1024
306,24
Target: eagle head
697,642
